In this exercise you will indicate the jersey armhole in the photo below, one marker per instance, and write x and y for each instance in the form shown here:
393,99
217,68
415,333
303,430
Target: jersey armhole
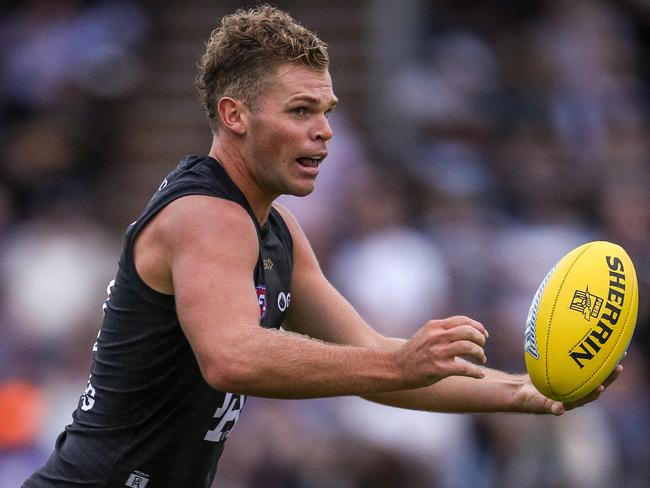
285,229
147,216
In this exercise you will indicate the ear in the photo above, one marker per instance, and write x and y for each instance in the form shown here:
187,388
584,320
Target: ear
232,114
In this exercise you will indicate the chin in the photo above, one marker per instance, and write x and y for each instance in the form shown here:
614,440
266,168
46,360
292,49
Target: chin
301,190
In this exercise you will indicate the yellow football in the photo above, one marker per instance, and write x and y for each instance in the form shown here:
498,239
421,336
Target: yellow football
581,321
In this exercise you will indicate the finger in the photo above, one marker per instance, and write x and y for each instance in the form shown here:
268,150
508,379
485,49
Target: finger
558,408
464,368
466,332
594,395
615,374
467,349
459,320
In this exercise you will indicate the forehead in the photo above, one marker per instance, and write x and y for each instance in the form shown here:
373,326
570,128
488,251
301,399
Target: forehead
292,80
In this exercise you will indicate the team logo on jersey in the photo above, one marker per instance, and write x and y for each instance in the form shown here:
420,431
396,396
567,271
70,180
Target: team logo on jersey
261,299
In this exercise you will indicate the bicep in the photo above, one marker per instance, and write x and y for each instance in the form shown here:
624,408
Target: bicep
212,252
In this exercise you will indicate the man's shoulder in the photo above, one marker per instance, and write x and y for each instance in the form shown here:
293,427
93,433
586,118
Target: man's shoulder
204,213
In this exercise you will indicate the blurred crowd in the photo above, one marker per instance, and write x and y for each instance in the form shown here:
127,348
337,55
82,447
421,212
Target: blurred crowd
505,134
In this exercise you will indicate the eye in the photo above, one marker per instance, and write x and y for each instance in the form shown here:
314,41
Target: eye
299,111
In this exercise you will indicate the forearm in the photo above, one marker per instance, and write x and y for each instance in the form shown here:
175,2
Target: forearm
281,364
496,392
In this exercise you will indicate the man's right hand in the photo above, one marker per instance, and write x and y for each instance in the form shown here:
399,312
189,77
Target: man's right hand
431,353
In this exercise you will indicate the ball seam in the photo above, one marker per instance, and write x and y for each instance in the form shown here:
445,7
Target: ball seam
550,319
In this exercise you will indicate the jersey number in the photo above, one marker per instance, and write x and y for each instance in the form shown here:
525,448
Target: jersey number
88,397
227,412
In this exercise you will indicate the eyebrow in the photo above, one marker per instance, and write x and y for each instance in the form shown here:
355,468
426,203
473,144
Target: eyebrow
312,100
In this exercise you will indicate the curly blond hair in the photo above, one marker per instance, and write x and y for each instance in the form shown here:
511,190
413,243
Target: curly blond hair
247,46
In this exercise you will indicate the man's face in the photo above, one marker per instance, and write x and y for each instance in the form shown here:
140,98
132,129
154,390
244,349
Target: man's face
287,137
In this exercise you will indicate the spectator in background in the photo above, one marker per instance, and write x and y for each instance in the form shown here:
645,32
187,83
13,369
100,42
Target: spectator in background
62,63
212,267
22,410
522,171
554,134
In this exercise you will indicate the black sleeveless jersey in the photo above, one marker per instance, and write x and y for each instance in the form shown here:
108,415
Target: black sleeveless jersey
147,418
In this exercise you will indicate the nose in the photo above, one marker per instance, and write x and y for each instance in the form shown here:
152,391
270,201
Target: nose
322,129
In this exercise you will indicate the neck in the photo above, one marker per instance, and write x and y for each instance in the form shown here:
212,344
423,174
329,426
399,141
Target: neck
233,162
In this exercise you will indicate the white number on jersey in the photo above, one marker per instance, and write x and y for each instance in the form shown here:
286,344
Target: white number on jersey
109,288
88,397
228,412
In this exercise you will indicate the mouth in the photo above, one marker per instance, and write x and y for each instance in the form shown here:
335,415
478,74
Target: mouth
312,161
